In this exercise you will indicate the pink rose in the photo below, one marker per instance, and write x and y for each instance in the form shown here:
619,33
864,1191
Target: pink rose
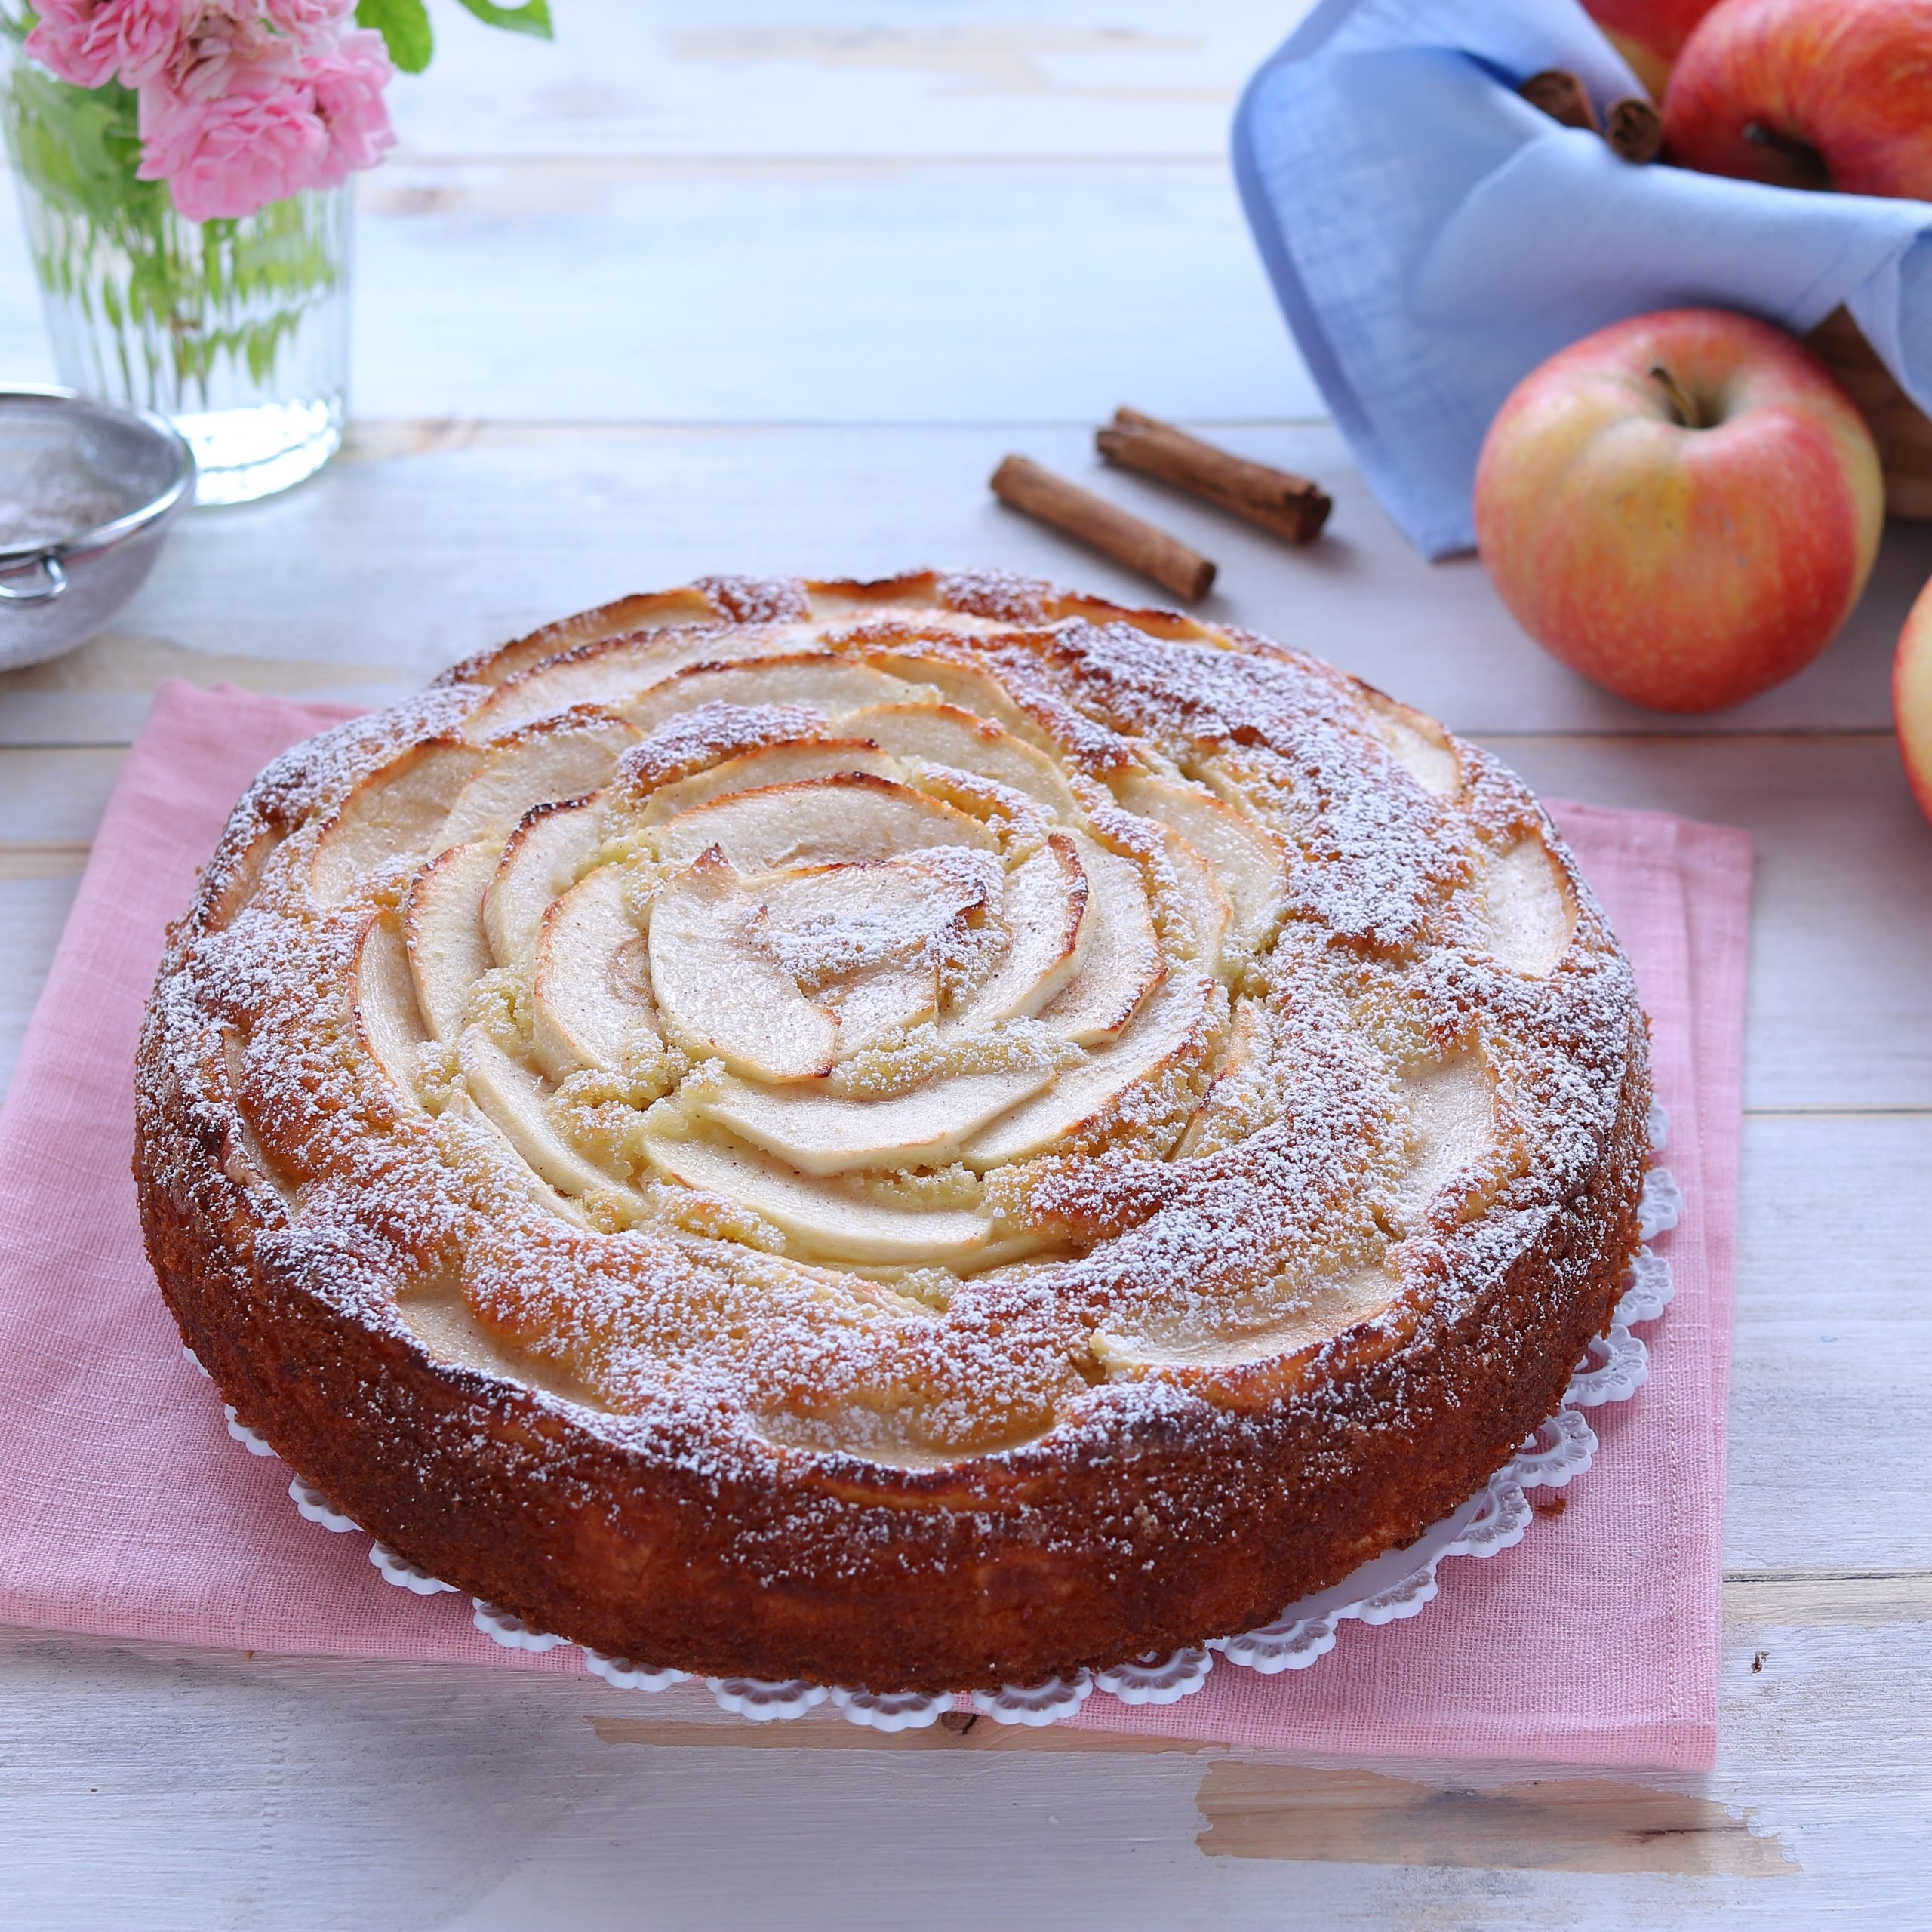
89,42
228,157
311,22
232,48
348,80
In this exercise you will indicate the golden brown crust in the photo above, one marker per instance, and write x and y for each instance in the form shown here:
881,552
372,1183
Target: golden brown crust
1168,1501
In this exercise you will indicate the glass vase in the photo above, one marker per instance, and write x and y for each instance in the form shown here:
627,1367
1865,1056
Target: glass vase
236,329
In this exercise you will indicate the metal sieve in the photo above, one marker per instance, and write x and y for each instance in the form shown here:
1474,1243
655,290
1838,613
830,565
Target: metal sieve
87,492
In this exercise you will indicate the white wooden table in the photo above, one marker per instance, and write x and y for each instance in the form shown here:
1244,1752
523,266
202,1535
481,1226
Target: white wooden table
771,288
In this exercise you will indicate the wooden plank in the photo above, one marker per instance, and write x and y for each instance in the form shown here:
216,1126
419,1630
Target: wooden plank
40,859
1555,1824
435,538
49,803
54,797
1832,1380
837,291
833,291
823,1731
98,695
1077,77
203,1788
756,291
1798,1600
897,167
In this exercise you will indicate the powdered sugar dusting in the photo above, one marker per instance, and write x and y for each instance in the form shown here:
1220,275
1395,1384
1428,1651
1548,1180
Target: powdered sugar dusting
751,600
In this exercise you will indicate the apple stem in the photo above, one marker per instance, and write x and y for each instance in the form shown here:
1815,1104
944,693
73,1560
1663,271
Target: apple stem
1685,411
1806,165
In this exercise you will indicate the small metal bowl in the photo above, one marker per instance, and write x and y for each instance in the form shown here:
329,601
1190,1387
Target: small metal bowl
87,493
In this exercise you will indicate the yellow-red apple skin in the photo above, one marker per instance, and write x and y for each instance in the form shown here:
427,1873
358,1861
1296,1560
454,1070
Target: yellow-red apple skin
1683,568
1850,79
1648,33
1912,698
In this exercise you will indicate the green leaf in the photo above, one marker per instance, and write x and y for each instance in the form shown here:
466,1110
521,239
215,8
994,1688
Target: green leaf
532,17
404,27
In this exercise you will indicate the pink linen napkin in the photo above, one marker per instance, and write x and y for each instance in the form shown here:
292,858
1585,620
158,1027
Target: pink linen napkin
126,1510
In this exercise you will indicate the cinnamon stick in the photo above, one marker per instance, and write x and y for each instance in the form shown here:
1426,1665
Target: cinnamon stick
1563,97
1289,506
1632,127
1140,546
1634,130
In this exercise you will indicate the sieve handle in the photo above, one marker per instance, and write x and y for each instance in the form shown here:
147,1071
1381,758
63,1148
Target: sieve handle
53,580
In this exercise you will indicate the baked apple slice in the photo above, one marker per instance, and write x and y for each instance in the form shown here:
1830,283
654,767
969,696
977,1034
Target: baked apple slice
512,1097
1451,1107
819,821
591,1001
1528,912
1249,862
1228,1110
620,674
391,817
773,765
1420,745
822,1134
720,991
386,1018
1045,907
1121,961
831,684
541,861
867,940
560,759
945,734
1323,1306
1195,902
442,926
1171,1032
820,1218
964,686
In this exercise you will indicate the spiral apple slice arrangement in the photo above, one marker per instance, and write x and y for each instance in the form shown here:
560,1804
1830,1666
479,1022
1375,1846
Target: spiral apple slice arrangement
847,934
836,979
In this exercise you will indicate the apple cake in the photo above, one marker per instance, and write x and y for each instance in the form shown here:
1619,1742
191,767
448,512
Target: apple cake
915,1135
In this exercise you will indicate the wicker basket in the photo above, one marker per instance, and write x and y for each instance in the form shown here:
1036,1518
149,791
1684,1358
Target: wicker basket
1902,430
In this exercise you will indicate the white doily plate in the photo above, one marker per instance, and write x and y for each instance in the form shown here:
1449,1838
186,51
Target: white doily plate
1395,1585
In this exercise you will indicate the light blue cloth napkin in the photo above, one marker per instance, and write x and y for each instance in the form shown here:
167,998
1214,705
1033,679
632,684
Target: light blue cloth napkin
1431,237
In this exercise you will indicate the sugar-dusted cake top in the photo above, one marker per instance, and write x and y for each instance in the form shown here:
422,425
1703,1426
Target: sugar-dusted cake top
903,1019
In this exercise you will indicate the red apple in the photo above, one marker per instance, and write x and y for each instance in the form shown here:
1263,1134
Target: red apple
1807,94
1911,697
1684,507
1648,33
